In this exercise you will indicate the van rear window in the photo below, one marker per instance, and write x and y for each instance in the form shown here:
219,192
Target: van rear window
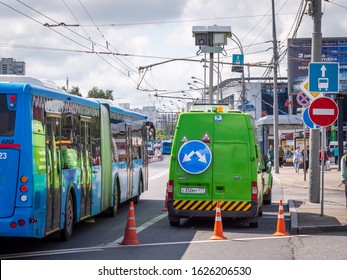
7,117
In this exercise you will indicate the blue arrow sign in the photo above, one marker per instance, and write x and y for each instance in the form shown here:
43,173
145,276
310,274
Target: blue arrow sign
194,157
324,77
307,120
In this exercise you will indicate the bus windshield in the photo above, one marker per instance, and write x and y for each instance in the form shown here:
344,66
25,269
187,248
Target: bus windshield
7,116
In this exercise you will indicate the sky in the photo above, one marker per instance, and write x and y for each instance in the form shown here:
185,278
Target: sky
143,50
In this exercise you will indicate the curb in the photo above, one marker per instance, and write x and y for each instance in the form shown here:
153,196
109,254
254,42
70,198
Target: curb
296,229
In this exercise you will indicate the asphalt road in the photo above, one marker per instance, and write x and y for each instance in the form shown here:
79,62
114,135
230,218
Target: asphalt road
98,238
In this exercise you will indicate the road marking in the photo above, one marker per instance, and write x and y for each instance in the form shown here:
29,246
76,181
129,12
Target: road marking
158,175
267,237
140,228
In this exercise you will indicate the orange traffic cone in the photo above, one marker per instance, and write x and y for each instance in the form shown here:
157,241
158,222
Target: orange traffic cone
130,235
165,204
281,225
218,226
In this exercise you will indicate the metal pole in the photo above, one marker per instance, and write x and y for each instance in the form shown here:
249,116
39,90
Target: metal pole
314,169
210,92
275,101
205,87
322,171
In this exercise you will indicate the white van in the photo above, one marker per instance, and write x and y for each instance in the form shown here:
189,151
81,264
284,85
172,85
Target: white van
334,144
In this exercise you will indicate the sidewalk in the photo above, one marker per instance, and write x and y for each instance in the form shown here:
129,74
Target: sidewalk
307,217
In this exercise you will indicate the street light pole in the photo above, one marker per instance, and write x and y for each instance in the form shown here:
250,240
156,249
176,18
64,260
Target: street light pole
275,101
243,93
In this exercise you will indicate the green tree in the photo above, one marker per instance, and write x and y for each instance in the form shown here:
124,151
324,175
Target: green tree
99,93
74,90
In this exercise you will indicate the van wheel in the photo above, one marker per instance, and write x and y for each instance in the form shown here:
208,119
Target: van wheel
174,220
267,198
253,223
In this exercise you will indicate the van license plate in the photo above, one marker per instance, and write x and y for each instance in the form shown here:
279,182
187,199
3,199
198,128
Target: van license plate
193,191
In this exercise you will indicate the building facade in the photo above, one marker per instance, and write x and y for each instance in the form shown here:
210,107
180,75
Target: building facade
10,66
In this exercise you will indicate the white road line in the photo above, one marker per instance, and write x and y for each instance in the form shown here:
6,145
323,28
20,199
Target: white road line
158,175
140,228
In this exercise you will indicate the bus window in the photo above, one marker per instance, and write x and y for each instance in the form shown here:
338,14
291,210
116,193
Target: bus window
7,117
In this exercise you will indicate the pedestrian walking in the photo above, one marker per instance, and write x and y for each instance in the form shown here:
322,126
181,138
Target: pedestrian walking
336,154
271,154
280,155
297,157
306,157
344,174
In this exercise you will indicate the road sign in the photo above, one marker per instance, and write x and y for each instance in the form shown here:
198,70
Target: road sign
303,99
237,63
304,87
307,120
324,77
194,157
323,111
238,59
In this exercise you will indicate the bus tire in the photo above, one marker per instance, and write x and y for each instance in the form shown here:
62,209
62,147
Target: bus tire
254,222
114,209
137,198
174,220
66,232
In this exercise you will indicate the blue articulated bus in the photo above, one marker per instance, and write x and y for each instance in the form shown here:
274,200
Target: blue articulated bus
64,158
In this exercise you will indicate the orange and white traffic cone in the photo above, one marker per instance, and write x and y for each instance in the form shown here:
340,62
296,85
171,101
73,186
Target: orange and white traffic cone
165,203
130,235
281,224
218,226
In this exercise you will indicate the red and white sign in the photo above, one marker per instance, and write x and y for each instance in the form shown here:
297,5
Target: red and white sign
323,111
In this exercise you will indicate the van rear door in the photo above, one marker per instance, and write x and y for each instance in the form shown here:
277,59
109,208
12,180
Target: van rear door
232,170
189,185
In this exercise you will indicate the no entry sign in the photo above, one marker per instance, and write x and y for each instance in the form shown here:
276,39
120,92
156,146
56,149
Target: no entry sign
323,111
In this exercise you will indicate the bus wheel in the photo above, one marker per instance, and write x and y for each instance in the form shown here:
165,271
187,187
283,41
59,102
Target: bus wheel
114,208
66,233
174,221
137,198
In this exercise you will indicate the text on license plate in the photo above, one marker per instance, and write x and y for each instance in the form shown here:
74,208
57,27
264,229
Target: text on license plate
193,191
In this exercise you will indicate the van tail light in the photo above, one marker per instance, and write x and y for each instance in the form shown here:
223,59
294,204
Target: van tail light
170,189
254,191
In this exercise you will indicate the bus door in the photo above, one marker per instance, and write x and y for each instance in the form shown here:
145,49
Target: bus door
130,166
85,165
53,201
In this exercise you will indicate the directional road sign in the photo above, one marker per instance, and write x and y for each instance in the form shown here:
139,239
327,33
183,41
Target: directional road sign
323,111
307,120
194,157
304,87
323,77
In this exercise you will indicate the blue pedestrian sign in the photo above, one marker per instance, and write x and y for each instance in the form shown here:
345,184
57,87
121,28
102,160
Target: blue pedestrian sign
194,157
307,120
324,77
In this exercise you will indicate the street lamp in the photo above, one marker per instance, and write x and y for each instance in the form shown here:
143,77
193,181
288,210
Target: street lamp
176,105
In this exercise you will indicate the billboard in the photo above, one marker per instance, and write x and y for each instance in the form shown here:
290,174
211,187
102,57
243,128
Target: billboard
299,56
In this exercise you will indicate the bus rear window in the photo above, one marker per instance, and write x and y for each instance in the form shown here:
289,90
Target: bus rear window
7,117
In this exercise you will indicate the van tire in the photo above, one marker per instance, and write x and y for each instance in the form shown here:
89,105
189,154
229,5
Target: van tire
174,220
267,198
253,222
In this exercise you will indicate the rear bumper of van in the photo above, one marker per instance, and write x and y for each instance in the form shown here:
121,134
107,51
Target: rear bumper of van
183,213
